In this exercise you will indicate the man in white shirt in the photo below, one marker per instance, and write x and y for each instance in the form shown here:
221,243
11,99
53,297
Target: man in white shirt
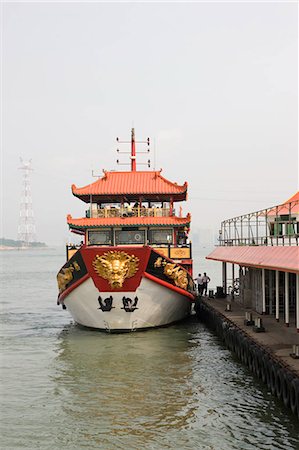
205,281
200,285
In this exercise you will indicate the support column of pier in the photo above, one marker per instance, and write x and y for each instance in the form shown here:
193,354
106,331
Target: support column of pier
297,302
224,277
286,299
263,292
277,295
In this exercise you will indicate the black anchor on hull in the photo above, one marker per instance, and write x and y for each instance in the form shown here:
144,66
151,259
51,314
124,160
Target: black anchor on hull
105,305
129,305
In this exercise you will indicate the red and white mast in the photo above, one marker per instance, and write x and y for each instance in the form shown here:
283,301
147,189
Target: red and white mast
133,151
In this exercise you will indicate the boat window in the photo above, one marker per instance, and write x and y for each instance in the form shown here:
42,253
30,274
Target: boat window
100,237
160,236
130,237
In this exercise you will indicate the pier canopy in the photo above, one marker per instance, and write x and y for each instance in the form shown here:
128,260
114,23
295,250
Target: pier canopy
130,186
285,259
87,223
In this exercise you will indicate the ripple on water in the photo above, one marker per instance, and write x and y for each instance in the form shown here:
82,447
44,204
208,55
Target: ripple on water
170,388
67,388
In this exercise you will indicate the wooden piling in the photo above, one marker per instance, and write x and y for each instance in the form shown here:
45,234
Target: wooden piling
268,355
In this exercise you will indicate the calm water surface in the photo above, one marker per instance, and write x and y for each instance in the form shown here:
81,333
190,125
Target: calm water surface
63,387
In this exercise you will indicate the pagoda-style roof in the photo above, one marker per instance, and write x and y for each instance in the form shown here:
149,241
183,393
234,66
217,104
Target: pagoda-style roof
86,223
130,186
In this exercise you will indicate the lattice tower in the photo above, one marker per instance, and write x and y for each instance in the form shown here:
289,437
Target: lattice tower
26,228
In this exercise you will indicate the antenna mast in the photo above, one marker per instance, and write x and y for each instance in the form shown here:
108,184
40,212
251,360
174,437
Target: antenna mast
133,151
26,228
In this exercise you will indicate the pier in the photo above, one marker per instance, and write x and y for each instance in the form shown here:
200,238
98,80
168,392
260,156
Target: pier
267,347
256,310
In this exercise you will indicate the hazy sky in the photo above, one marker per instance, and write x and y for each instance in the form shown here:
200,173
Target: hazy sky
214,85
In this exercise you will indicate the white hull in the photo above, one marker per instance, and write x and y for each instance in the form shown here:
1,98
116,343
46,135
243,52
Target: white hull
157,306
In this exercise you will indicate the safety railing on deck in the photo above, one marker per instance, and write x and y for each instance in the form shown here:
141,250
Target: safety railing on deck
129,212
278,225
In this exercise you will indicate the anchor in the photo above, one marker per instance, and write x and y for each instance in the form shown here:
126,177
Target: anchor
129,305
107,304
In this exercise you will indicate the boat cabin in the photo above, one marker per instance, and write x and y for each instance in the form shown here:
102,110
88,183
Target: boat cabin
134,208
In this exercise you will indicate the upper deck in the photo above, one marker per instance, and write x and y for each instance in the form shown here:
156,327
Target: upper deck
123,211
135,208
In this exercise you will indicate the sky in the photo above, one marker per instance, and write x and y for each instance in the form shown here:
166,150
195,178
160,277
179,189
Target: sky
214,85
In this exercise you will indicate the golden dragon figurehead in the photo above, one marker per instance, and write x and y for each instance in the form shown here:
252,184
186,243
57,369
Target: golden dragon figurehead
116,266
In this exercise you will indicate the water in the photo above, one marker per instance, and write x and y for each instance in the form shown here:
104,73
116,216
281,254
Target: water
63,387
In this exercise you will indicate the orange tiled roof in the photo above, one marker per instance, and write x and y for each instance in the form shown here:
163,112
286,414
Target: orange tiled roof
127,221
286,208
113,185
274,258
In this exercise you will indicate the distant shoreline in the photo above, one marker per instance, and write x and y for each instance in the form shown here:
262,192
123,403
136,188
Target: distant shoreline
12,244
4,247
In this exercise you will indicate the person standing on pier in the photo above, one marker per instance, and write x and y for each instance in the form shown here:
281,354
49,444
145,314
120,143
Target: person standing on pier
200,285
205,280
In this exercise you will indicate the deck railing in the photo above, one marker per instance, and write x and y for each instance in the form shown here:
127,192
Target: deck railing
278,225
129,212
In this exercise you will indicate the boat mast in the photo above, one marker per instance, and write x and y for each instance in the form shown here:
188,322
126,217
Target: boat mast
133,151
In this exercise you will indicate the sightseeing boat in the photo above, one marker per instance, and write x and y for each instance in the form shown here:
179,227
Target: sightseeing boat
133,268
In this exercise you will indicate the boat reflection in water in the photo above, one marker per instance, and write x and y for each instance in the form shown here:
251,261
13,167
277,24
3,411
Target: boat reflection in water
116,386
167,388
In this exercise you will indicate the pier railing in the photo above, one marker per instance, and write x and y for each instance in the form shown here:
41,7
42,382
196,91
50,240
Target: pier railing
278,225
